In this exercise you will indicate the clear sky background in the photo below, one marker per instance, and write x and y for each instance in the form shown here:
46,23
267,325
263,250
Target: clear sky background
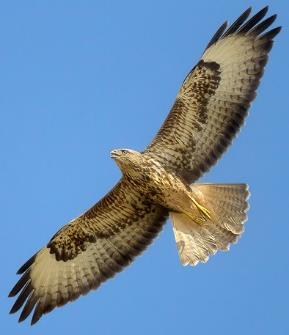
79,78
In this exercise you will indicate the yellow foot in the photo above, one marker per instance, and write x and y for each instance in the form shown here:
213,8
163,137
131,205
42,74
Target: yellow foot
204,211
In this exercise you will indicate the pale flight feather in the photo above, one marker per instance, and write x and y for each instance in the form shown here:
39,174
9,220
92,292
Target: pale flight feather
208,112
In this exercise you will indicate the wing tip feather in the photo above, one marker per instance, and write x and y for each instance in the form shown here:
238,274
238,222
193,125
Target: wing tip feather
241,25
234,27
218,34
269,35
26,265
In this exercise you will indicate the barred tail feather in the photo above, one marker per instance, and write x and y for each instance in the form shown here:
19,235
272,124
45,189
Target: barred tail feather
227,205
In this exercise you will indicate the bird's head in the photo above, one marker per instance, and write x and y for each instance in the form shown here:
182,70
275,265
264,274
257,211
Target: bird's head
128,160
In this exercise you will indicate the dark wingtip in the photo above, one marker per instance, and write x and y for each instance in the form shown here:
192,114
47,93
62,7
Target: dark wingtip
29,306
271,34
254,25
20,284
22,317
11,293
36,315
238,23
276,30
217,35
262,26
264,10
24,295
253,20
272,18
32,323
247,12
26,265
12,310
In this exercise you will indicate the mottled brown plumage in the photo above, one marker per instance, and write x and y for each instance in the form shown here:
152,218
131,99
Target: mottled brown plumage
208,112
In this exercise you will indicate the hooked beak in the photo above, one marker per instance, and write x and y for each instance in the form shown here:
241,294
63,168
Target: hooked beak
114,154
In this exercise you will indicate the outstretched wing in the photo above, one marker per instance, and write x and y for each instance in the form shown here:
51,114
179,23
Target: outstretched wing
87,251
215,96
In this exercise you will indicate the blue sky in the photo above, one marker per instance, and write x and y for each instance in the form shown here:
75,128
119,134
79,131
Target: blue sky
79,78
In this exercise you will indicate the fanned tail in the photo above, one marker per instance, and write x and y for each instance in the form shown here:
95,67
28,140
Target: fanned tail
198,239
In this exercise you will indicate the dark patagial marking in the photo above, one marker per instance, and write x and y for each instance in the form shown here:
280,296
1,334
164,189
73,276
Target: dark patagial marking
214,66
70,241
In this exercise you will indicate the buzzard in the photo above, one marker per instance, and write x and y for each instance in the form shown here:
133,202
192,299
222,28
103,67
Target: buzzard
209,110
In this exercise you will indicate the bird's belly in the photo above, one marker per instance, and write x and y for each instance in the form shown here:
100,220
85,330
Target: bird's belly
173,197
166,189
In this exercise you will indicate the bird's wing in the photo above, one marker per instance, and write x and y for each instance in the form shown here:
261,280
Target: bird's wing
87,251
215,96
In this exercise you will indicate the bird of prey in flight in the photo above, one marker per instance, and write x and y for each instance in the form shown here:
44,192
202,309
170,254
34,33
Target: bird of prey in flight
209,110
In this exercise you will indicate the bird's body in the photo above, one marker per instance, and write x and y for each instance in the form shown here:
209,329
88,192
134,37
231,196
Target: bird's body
209,110
156,183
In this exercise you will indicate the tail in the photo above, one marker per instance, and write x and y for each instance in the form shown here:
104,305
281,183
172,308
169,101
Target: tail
198,239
